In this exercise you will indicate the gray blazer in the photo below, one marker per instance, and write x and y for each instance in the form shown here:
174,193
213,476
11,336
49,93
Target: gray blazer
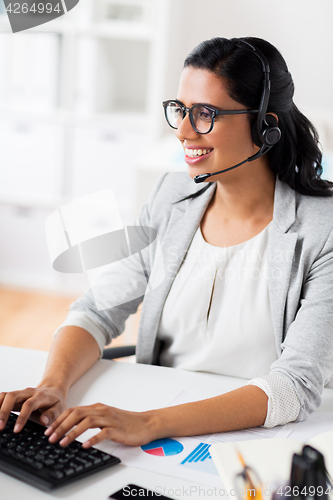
300,275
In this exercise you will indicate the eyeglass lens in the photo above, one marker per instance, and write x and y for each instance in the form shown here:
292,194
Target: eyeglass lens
200,116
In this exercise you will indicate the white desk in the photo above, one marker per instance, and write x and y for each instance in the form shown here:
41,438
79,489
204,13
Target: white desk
124,385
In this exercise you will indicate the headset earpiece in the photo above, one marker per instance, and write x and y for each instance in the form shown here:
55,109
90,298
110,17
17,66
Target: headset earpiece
270,133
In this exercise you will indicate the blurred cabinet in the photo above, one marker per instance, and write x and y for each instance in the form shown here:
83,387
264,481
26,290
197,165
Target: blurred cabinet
80,105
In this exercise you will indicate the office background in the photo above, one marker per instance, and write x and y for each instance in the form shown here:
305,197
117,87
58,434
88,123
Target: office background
80,111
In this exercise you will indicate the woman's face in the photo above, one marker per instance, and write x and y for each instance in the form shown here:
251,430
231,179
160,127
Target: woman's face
229,142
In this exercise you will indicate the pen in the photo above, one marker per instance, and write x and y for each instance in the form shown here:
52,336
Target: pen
250,480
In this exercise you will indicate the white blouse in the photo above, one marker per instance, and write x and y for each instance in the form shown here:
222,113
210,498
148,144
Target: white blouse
217,318
217,315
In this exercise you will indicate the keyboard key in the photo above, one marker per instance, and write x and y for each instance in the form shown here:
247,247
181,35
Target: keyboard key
77,467
56,474
69,472
49,461
93,451
58,466
37,465
81,460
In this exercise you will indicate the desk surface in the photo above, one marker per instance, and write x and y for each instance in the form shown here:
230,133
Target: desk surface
124,385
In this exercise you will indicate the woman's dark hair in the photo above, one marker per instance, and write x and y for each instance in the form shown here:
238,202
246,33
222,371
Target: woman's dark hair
296,158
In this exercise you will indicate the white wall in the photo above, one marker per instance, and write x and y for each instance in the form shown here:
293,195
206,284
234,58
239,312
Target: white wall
300,29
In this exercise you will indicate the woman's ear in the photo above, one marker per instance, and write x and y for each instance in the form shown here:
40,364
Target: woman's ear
275,116
270,134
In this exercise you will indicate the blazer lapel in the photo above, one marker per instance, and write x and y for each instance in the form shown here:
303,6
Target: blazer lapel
280,255
184,220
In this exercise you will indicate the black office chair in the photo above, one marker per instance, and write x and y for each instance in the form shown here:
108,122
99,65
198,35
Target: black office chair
119,352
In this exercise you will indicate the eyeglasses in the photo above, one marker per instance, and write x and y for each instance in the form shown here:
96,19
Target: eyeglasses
202,117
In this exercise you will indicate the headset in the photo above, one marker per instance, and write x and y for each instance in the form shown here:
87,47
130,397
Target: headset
265,130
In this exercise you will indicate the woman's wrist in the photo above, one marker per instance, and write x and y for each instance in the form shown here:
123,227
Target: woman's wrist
51,383
161,423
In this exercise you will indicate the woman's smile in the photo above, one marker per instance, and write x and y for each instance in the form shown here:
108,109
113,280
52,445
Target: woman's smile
196,154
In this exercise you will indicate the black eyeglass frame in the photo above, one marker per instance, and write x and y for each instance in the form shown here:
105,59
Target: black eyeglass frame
215,112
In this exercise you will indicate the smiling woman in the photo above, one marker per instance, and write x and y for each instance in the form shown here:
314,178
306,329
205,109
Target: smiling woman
247,260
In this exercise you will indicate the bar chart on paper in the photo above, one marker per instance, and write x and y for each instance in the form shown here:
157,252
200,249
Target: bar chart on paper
200,460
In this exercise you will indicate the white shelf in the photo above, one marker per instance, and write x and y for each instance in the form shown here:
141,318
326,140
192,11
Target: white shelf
26,201
125,119
60,116
110,29
120,30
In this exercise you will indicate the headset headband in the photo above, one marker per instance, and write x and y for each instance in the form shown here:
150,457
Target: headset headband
266,88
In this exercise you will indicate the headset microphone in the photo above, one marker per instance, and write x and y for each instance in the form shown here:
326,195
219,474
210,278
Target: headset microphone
263,150
265,131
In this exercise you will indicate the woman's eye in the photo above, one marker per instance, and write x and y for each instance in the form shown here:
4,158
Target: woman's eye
176,111
205,114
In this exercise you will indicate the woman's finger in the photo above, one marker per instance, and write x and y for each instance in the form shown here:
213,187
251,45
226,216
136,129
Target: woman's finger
13,401
30,405
2,423
58,421
49,415
66,421
2,397
97,409
98,438
87,423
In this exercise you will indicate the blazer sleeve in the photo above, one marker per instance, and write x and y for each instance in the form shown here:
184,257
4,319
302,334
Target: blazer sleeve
306,362
123,281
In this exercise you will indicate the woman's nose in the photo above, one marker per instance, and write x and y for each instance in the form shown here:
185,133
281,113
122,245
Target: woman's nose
185,130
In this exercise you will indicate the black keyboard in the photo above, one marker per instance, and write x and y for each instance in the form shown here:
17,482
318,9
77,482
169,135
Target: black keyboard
29,456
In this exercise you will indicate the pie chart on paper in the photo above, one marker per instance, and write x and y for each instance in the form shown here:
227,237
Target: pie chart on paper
163,447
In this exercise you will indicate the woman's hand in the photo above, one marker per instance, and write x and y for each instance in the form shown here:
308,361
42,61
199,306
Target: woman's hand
48,401
126,427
